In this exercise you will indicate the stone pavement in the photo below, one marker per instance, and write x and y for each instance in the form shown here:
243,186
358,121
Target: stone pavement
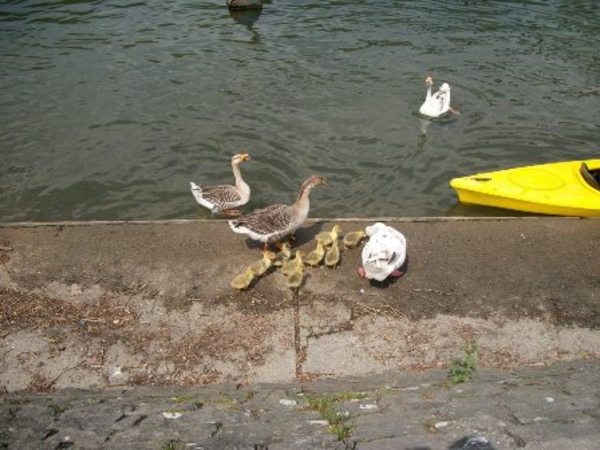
535,408
129,335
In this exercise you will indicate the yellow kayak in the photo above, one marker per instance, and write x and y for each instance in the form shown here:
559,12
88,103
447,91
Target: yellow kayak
562,189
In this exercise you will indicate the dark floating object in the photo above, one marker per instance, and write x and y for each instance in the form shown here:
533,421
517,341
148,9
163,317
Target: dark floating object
240,5
245,17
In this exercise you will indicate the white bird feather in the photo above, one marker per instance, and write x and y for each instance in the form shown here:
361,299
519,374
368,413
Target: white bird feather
384,252
437,104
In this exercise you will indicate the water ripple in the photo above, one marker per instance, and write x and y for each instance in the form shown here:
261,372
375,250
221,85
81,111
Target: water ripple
110,109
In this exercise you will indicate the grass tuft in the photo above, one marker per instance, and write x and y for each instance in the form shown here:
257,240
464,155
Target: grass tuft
461,369
340,423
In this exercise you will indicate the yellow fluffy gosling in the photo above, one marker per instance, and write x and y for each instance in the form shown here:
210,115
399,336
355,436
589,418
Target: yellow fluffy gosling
293,264
259,267
294,279
243,281
332,258
353,238
329,236
315,257
283,255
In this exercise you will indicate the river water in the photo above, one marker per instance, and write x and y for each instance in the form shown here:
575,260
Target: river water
108,109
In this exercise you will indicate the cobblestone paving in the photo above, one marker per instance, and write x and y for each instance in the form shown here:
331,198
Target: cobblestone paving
544,407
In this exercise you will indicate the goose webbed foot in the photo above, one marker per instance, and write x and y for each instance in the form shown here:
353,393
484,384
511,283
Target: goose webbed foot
231,212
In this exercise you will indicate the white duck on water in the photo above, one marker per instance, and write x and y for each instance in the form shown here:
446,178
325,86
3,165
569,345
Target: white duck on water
384,253
437,104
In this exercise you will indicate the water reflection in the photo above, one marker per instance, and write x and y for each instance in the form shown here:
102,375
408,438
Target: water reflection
245,17
423,134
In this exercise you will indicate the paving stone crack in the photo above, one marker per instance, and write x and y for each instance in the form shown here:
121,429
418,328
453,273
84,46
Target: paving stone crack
299,351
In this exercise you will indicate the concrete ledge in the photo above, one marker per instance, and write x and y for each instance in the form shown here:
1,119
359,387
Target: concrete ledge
151,303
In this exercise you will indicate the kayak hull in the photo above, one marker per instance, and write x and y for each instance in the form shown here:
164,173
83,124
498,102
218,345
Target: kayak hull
559,189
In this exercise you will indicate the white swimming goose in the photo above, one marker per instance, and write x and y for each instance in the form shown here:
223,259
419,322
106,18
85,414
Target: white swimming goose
225,198
384,253
274,222
438,104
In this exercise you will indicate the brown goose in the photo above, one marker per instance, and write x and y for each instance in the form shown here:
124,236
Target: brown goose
225,198
274,222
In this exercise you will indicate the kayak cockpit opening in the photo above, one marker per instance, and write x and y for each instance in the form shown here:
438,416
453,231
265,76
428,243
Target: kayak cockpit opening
591,177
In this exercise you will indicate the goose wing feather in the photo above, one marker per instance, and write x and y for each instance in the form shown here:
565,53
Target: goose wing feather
217,198
265,224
